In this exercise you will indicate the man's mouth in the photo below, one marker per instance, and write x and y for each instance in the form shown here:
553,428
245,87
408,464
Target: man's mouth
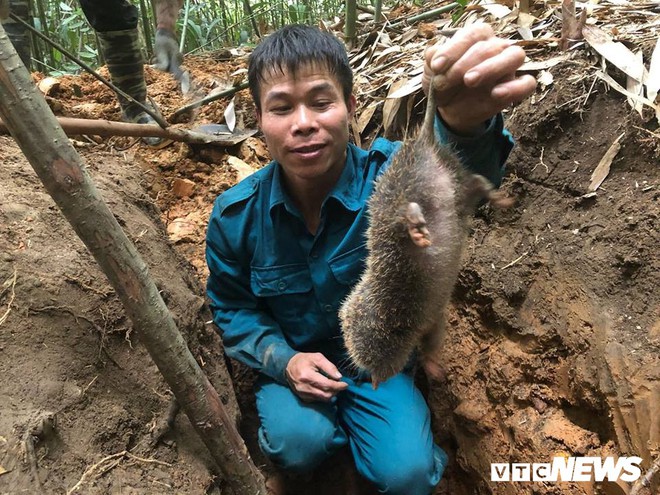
309,149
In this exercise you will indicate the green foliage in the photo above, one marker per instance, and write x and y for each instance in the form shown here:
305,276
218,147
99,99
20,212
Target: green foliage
209,25
458,11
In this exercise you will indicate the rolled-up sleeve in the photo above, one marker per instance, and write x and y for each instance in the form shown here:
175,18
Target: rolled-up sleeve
484,153
249,333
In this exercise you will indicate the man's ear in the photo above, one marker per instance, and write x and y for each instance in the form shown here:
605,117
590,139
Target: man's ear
258,114
352,103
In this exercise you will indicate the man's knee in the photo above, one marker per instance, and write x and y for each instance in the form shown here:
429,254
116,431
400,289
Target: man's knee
301,447
406,475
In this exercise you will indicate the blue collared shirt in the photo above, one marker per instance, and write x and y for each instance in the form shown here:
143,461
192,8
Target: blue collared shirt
275,288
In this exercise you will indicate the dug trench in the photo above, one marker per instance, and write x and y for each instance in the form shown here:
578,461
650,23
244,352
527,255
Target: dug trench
553,338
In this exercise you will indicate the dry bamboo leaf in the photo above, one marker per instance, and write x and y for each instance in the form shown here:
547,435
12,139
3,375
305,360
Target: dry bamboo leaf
614,52
603,169
635,86
543,64
407,36
496,10
625,92
365,116
653,81
412,86
391,106
388,51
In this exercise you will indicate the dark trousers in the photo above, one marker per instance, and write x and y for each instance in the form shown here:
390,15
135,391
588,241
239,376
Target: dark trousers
110,15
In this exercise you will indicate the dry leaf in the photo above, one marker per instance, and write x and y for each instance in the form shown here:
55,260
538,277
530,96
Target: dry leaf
543,64
391,106
603,168
365,116
636,87
496,10
412,86
614,52
625,92
653,81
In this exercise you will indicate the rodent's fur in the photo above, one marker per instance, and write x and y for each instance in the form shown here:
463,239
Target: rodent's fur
399,303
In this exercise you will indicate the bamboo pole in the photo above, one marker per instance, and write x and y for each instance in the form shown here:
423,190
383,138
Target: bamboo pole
59,167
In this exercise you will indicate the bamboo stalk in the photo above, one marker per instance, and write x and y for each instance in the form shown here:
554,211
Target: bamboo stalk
59,167
182,41
146,27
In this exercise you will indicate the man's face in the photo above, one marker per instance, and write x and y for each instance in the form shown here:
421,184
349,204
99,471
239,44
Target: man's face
305,123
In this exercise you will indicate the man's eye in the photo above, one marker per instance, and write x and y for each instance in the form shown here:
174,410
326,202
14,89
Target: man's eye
280,109
322,104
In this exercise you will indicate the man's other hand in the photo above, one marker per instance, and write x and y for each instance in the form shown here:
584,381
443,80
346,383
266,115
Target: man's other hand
313,377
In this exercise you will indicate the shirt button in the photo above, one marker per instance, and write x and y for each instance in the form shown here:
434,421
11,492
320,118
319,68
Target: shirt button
327,308
314,256
281,285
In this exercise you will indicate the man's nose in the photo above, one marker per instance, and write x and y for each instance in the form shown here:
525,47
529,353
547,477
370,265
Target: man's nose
304,119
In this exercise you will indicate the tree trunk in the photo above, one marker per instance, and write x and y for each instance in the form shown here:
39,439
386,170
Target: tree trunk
45,145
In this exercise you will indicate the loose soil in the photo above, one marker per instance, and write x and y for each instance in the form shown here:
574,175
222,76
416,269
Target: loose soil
554,332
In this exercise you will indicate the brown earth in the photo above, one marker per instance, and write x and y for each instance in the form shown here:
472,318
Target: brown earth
554,340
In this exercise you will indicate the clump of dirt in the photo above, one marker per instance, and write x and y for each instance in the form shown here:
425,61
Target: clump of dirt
553,339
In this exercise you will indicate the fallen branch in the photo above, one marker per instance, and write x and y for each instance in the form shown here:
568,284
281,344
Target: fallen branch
99,127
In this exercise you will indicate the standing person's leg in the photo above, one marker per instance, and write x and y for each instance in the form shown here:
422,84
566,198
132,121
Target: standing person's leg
295,435
390,436
115,22
18,33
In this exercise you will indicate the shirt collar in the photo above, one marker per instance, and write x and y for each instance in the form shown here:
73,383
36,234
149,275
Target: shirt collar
346,190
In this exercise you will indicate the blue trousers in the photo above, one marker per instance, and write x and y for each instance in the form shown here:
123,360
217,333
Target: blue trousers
388,431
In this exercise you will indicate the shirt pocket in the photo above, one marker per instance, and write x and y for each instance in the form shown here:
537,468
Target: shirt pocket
286,290
348,267
280,280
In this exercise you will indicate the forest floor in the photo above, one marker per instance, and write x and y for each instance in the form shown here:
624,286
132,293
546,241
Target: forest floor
554,331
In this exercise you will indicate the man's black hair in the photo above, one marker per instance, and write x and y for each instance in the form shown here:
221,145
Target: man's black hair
292,47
